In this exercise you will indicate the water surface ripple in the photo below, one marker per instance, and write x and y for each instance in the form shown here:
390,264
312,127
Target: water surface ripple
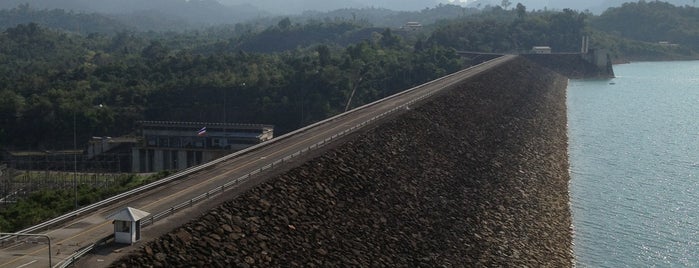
634,156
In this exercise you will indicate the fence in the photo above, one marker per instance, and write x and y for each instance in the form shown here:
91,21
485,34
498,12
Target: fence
231,184
20,184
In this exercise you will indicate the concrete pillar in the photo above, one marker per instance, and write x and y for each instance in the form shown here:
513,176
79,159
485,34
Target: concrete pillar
181,159
207,157
135,161
158,161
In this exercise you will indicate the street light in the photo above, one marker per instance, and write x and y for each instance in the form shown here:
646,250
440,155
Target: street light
42,235
75,161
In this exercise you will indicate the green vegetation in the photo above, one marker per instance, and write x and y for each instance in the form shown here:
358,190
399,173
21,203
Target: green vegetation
60,19
108,82
50,203
634,31
653,22
99,75
630,32
514,31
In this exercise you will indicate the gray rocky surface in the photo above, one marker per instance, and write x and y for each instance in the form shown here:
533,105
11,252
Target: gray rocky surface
477,176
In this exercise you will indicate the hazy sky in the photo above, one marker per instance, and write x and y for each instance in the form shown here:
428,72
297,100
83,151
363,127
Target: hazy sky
296,6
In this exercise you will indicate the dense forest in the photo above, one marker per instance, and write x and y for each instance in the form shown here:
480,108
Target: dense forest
630,32
107,83
514,31
101,73
105,76
161,20
652,21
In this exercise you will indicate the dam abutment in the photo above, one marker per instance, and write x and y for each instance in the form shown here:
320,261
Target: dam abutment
476,176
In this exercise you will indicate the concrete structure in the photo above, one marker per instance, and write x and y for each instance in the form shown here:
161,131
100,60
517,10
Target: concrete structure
179,145
541,50
412,26
667,44
127,225
110,154
62,160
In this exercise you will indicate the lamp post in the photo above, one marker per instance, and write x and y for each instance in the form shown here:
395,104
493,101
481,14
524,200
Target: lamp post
42,235
75,161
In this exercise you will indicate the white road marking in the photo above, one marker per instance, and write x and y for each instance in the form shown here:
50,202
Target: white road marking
27,264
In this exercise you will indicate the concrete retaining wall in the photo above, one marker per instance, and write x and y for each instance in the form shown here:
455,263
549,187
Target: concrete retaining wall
595,64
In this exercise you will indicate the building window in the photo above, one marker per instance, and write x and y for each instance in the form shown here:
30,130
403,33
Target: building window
151,141
123,226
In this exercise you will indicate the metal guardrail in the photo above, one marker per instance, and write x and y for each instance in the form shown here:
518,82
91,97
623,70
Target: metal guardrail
220,189
82,252
198,168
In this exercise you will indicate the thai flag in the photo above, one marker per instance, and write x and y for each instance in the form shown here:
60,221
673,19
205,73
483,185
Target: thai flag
202,132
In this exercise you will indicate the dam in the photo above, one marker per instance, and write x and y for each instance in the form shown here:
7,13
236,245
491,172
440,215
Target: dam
476,175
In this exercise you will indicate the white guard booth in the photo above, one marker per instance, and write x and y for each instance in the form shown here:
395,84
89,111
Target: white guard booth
127,224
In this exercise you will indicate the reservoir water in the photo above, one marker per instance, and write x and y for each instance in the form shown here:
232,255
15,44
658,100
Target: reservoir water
634,165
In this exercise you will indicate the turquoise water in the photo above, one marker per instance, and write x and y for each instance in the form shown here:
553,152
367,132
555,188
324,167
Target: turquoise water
634,156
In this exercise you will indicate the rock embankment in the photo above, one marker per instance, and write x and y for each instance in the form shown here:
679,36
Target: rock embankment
477,176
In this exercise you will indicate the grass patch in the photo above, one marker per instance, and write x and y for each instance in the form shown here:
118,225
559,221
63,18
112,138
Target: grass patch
45,204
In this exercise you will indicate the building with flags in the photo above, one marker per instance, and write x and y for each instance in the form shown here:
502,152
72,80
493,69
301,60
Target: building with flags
178,145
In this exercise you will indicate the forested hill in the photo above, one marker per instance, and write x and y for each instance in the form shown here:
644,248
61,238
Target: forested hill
389,18
108,82
60,19
86,22
196,12
514,31
652,21
631,38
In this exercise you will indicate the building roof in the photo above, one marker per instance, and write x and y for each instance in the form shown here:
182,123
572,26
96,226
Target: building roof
44,153
200,124
128,214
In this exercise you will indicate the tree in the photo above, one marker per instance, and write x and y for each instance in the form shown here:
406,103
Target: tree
284,24
155,51
521,10
323,54
505,4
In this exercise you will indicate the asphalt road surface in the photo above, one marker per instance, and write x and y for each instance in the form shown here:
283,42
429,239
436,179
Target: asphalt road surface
73,235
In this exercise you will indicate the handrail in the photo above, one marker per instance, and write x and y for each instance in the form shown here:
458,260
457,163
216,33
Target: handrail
82,252
222,188
198,168
231,184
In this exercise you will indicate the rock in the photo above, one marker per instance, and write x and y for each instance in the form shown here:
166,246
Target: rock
475,177
249,260
227,228
161,257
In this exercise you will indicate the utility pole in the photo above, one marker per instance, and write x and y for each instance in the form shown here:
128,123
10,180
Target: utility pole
349,100
75,161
